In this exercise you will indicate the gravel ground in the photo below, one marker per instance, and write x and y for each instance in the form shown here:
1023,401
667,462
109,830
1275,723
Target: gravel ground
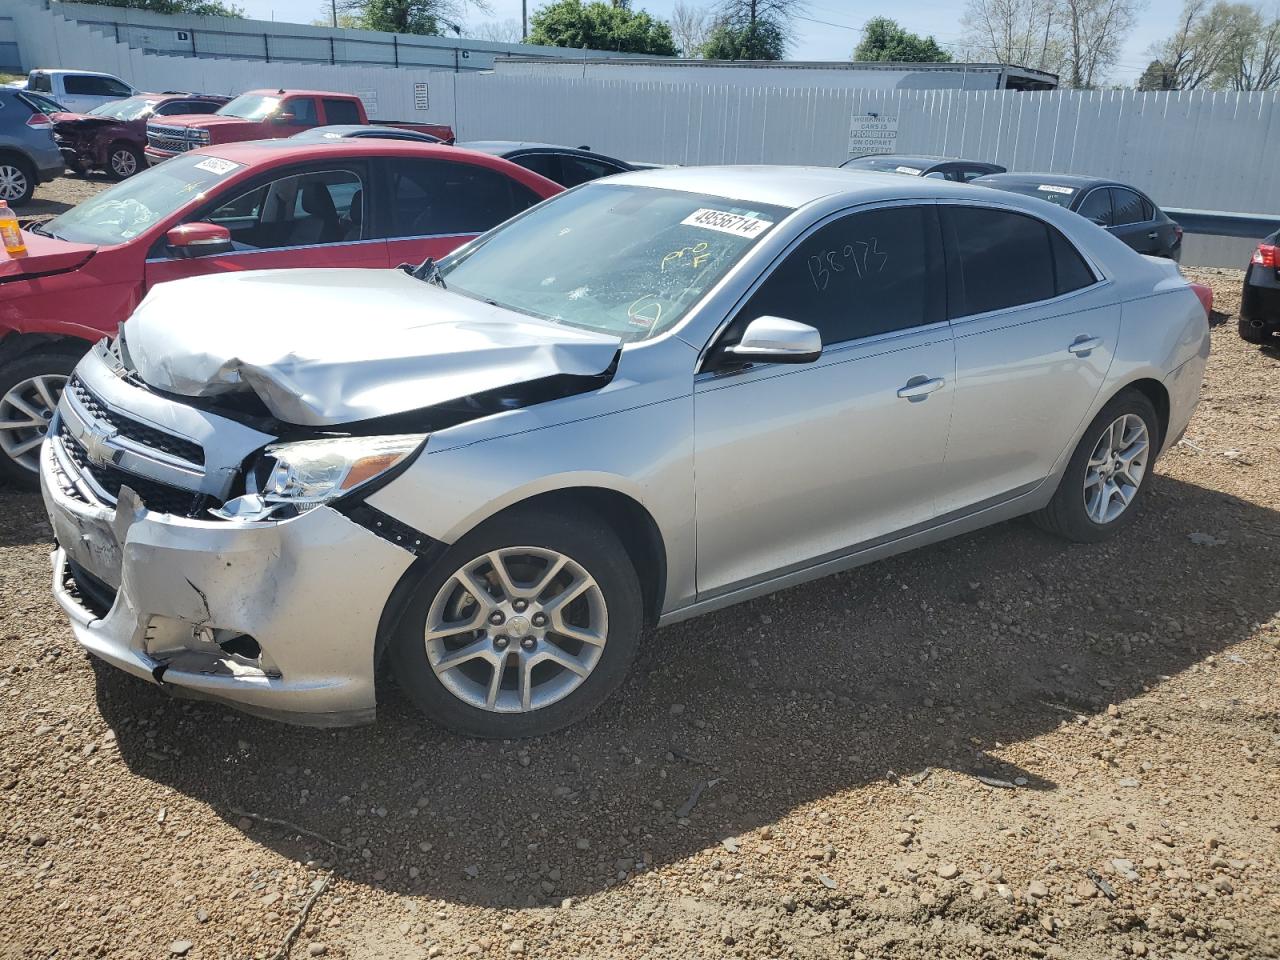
1001,746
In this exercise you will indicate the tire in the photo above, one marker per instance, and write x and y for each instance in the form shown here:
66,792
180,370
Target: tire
452,695
1076,511
21,400
17,180
124,160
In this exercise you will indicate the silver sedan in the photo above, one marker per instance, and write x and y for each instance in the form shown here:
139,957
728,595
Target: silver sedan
642,400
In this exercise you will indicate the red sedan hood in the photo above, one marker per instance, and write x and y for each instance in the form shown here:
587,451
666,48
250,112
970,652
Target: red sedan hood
45,255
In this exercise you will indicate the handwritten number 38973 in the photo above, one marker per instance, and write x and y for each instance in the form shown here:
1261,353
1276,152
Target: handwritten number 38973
865,256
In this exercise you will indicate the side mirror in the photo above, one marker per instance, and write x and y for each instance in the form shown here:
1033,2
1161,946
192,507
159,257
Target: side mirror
283,118
199,239
777,340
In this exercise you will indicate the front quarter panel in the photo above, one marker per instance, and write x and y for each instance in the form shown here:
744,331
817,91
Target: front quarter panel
633,436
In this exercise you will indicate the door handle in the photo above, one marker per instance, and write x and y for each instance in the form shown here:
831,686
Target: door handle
1153,235
919,388
1083,346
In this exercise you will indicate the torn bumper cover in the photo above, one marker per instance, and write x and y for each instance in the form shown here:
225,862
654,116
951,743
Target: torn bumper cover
277,618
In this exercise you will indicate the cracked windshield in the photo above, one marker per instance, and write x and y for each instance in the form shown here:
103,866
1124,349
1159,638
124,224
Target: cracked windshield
627,261
125,210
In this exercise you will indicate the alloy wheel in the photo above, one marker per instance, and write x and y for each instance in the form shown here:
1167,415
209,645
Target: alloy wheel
25,412
516,629
124,163
13,182
1116,468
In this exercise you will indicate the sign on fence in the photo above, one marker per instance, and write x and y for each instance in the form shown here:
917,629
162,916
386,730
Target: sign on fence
869,133
421,98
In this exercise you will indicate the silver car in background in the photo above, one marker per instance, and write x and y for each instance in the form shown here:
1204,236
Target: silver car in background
644,399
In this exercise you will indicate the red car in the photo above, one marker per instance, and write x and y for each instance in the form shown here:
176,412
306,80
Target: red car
246,206
267,115
113,136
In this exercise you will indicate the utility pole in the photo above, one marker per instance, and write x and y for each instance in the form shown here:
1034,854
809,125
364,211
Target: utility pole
333,5
524,19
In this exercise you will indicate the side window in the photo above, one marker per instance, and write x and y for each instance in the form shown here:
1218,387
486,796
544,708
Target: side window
300,210
341,111
576,170
1097,207
1004,260
303,110
863,274
40,82
1070,270
85,86
430,197
1127,207
176,108
111,87
543,164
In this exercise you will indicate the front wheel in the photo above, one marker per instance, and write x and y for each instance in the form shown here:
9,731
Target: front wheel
1108,473
124,160
30,387
17,181
524,626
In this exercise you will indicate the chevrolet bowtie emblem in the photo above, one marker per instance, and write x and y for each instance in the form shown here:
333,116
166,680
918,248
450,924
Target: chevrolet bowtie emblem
96,448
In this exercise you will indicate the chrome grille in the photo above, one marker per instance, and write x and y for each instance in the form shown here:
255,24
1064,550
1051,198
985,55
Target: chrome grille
133,430
108,479
168,139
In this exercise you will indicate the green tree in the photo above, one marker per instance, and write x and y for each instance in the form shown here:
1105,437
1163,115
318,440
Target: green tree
600,26
762,40
197,8
1156,77
884,40
426,17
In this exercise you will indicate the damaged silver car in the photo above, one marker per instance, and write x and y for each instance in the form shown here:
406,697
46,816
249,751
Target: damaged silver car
642,400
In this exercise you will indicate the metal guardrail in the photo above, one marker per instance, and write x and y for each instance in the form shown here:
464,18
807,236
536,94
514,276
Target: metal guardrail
1216,223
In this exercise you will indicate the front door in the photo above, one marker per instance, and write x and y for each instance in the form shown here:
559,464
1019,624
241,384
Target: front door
305,218
1035,332
794,464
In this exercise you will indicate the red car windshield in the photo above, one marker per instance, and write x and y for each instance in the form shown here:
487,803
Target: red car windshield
120,213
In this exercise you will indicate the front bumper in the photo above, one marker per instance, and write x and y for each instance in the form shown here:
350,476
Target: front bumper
171,600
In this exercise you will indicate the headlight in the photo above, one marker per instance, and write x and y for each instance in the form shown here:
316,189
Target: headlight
198,134
310,472
297,477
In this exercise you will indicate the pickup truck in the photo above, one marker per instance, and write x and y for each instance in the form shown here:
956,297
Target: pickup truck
78,90
265,115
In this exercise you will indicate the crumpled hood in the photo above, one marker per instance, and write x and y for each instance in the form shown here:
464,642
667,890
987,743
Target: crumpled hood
323,347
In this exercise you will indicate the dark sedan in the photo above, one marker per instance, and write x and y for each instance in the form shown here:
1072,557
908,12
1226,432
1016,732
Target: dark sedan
1126,212
360,131
567,166
1260,301
945,168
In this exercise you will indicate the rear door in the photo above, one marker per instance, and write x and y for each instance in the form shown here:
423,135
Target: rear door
429,207
1035,332
1134,222
311,216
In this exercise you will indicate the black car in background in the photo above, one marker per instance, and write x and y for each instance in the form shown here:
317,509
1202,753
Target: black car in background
358,131
946,168
1125,211
567,166
1260,301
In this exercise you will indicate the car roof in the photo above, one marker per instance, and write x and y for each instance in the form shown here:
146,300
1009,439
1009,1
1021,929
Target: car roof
500,147
340,131
79,73
797,186
923,159
289,150
289,92
1052,179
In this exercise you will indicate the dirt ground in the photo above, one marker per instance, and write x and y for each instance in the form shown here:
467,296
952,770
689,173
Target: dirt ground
1003,746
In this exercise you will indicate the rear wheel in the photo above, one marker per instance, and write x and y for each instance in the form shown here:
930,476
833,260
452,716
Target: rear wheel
1108,473
124,160
17,180
30,387
525,626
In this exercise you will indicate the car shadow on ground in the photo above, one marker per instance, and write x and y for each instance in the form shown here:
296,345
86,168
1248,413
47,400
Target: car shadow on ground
930,660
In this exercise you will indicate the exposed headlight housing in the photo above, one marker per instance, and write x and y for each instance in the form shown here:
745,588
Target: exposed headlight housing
292,478
198,134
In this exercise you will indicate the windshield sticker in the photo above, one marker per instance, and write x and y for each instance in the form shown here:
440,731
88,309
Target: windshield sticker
731,223
914,171
645,311
1052,188
217,165
697,255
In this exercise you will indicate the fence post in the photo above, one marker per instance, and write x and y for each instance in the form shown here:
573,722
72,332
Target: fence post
395,47
266,47
331,59
193,44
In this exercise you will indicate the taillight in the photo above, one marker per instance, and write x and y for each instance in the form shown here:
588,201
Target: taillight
1177,232
39,121
1267,255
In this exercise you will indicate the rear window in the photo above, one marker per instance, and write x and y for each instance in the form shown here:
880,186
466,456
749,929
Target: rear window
341,111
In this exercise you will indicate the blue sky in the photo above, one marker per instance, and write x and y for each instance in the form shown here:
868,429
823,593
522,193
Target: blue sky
832,40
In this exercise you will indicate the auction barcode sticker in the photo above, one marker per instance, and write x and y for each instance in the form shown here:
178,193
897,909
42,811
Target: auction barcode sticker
1053,188
217,165
913,171
732,223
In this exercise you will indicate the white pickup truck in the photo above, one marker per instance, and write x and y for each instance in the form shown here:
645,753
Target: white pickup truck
78,90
